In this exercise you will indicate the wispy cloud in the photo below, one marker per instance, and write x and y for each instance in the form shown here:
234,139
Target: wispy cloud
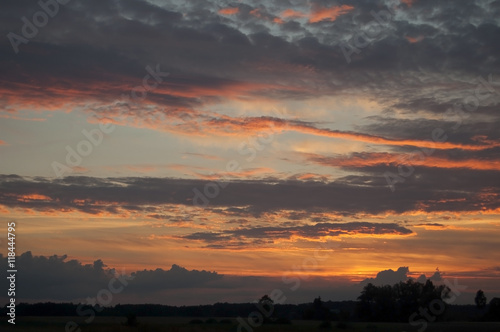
319,13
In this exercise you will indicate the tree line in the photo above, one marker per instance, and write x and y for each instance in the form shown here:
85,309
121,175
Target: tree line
401,302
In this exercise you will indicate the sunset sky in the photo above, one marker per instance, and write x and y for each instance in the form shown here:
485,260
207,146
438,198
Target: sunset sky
227,148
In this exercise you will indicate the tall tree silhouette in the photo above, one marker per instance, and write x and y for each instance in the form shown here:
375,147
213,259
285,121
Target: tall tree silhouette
266,306
494,309
317,310
480,299
266,302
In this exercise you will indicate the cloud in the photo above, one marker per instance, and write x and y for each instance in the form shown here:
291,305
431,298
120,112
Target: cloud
389,277
414,39
355,160
58,279
229,11
426,60
433,190
436,277
328,14
204,124
177,277
260,236
409,3
202,155
96,66
292,13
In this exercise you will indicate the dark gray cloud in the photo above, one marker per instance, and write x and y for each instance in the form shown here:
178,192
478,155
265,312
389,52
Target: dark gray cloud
193,41
243,237
58,279
55,278
427,189
388,277
80,57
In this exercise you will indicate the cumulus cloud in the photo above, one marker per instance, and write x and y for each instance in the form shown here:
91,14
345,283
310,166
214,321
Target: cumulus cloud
389,277
58,279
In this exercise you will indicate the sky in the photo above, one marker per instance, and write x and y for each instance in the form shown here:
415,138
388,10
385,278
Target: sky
214,151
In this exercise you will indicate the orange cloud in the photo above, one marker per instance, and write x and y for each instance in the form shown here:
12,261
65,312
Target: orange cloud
223,125
64,94
220,175
202,124
143,168
330,14
439,227
201,155
414,40
33,197
409,3
229,11
228,90
395,142
14,117
79,169
248,172
2,142
292,13
278,20
375,159
256,12
311,176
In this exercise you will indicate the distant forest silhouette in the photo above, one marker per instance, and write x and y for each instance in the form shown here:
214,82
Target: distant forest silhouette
397,303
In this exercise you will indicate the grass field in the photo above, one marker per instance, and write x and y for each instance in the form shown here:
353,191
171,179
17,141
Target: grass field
169,324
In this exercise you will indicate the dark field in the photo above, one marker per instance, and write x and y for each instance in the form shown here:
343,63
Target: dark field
169,324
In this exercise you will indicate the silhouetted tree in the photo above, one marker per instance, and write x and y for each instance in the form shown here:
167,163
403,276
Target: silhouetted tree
398,302
266,305
376,303
480,299
317,310
366,302
266,301
494,309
